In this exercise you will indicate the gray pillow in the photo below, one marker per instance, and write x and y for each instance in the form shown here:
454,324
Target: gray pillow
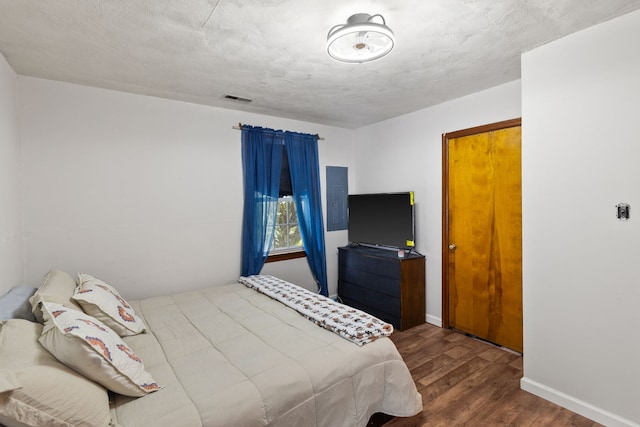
15,304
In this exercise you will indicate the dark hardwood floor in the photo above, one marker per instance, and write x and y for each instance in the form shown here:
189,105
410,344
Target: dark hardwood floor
468,382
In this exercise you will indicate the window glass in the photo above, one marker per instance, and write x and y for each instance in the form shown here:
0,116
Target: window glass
287,234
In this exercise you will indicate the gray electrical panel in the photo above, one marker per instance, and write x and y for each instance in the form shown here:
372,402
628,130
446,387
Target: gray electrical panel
337,192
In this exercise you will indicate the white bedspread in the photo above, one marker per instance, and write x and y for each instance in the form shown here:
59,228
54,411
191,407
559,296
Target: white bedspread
230,356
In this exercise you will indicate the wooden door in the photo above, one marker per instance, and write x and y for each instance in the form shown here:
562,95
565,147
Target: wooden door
482,233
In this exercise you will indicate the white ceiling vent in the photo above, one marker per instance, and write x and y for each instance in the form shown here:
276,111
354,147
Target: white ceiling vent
237,98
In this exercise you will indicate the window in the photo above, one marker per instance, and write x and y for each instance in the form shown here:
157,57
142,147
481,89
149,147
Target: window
287,241
287,234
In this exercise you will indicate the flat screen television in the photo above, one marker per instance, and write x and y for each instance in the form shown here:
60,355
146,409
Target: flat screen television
382,219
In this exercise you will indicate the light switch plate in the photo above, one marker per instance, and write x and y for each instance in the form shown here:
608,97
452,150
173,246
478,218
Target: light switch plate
623,211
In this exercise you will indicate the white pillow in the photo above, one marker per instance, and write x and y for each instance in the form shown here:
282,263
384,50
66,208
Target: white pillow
57,286
38,390
103,302
88,346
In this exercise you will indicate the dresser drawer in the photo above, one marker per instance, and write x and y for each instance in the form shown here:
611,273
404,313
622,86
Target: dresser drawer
350,291
384,285
368,298
382,302
351,260
382,266
350,274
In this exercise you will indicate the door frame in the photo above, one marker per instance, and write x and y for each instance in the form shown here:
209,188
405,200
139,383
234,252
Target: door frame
445,201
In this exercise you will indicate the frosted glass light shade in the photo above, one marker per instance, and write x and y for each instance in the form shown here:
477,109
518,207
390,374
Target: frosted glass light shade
360,39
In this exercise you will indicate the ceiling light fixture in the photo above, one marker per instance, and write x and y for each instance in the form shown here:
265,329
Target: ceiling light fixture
360,39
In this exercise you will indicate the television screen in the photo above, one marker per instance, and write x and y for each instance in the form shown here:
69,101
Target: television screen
382,219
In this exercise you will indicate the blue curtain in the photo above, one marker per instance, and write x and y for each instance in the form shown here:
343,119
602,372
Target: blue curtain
302,150
261,159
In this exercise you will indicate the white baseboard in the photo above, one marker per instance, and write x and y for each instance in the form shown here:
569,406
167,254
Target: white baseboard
576,405
434,320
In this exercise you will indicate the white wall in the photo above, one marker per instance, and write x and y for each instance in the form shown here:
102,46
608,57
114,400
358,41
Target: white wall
145,193
405,154
581,147
11,256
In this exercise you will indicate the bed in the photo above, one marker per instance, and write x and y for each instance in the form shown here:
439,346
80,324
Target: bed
222,356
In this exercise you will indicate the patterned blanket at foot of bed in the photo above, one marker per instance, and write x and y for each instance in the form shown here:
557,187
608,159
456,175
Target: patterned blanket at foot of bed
350,323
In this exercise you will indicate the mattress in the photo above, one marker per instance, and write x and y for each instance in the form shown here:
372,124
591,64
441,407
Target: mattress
230,356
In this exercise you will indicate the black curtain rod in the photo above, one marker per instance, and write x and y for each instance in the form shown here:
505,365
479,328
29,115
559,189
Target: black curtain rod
239,127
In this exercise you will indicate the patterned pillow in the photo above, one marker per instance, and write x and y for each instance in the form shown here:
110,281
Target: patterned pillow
86,345
103,302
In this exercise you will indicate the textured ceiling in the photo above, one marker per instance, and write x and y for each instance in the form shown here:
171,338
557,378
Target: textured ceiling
273,51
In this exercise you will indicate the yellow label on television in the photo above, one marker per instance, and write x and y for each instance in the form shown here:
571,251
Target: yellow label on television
411,198
410,243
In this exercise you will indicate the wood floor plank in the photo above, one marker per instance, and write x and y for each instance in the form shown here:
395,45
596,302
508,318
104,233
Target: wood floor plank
507,406
468,382
449,380
461,401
